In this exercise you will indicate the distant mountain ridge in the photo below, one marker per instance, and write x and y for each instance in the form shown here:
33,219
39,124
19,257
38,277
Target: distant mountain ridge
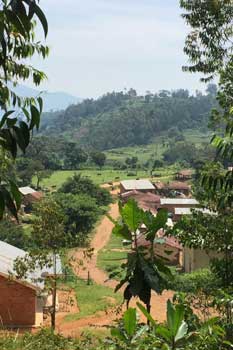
53,101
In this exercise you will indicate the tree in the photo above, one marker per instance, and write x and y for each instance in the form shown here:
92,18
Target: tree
99,158
79,185
144,271
18,44
74,156
49,242
131,162
13,233
81,213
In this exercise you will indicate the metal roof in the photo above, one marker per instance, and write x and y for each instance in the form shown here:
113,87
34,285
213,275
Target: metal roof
26,190
178,201
137,185
188,211
9,253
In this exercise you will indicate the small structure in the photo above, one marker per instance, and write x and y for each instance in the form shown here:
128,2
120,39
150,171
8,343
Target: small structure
146,201
169,250
184,175
29,196
179,187
160,188
138,185
21,301
194,259
171,203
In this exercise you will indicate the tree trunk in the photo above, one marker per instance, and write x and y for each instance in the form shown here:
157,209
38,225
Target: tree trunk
54,299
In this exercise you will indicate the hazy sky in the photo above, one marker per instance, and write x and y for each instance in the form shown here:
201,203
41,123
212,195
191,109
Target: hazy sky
104,45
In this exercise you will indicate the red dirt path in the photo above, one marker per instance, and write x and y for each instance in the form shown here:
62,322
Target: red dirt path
100,239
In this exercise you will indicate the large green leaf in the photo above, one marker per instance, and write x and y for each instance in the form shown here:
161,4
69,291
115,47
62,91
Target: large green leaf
115,332
132,215
182,331
146,314
175,317
130,321
122,230
155,223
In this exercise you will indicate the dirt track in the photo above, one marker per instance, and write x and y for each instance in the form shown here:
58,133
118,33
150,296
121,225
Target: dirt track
100,239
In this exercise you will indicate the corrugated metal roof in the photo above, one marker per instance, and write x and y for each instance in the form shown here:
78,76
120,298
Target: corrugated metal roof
137,185
179,201
188,211
9,253
26,190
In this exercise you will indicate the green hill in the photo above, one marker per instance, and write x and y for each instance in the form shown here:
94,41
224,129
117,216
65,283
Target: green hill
120,119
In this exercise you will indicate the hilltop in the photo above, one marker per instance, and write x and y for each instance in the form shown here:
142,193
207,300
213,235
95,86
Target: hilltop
121,119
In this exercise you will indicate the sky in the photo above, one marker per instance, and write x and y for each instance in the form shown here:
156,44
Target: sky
97,46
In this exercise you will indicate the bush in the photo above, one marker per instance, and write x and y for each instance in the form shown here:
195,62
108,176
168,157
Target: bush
130,173
192,282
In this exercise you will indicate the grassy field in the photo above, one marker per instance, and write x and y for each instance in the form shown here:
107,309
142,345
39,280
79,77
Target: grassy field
103,176
112,255
155,149
92,299
143,153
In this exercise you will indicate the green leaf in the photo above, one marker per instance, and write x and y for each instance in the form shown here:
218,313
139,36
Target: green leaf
132,215
130,321
116,333
42,18
4,118
182,331
15,20
122,231
40,101
9,203
164,332
16,194
146,314
35,118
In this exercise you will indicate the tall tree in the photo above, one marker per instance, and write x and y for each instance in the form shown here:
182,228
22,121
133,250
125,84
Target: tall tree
19,116
50,241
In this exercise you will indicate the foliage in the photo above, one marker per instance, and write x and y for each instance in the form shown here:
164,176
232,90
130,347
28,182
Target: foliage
81,213
99,158
74,156
13,233
143,270
78,185
122,119
18,116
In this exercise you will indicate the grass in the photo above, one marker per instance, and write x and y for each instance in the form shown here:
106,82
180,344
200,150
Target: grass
112,255
154,149
143,153
92,299
103,176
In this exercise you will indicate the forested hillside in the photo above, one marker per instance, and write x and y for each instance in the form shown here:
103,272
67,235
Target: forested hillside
124,119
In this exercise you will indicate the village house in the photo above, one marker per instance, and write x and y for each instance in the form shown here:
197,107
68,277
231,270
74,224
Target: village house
22,302
138,185
29,197
184,175
171,203
167,248
146,201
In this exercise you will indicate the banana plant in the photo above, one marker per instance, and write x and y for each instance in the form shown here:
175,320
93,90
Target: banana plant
144,271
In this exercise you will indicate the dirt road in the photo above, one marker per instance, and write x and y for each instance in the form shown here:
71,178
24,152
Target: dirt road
99,241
